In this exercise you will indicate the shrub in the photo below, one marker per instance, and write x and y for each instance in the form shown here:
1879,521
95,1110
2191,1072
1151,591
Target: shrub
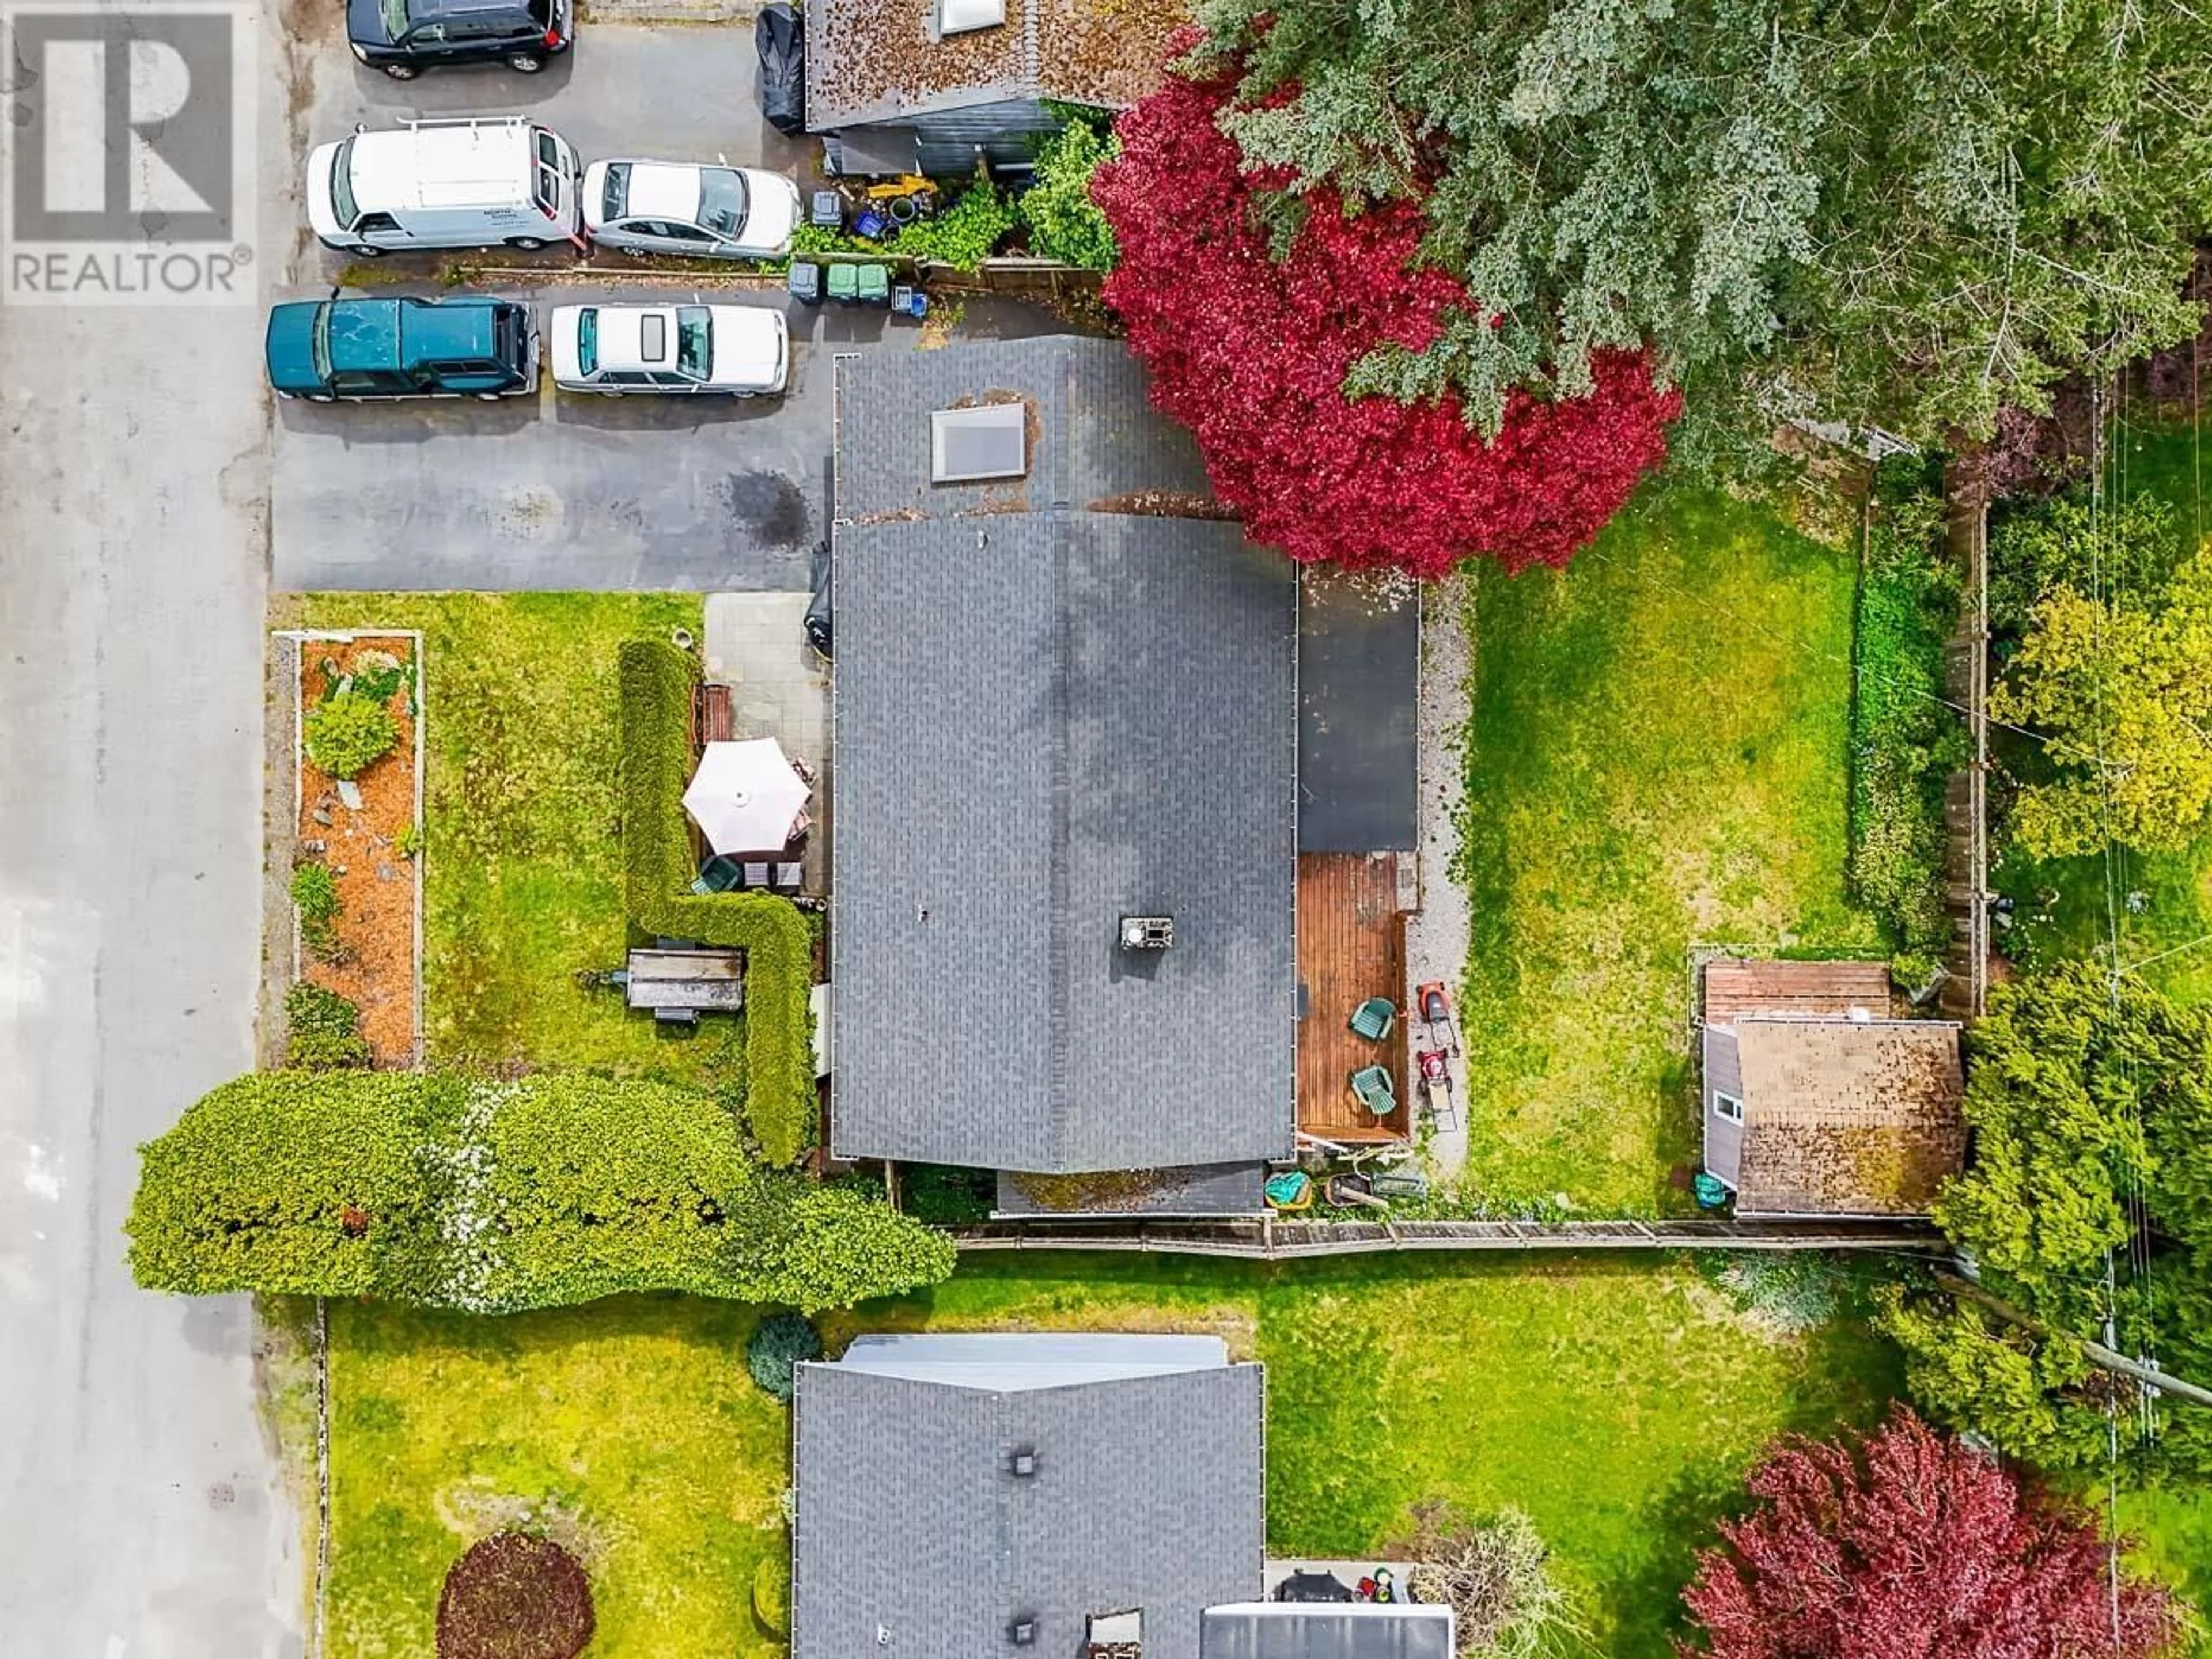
964,234
348,733
322,1030
1056,210
947,1195
779,1345
465,1191
315,896
1791,1292
1495,1574
514,1596
657,682
1906,739
772,1591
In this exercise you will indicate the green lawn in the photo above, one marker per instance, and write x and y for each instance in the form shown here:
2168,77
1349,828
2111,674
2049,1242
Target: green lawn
2061,906
1618,1401
628,1430
1656,758
2175,1531
523,877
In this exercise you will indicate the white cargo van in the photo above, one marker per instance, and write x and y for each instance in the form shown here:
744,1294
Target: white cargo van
465,183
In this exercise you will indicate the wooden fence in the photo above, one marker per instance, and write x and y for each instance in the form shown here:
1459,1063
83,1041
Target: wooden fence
1967,794
1272,1240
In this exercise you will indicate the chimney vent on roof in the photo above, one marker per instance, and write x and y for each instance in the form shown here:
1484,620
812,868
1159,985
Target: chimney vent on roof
1022,1462
1147,932
1023,1632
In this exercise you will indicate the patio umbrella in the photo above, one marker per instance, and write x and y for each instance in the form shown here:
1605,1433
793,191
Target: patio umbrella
745,796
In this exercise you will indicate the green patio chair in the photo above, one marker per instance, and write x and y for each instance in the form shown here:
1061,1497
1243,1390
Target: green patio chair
717,875
1373,1018
1371,1087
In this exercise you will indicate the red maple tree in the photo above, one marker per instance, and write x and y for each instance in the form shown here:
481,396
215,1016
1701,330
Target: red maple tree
1909,1544
1251,354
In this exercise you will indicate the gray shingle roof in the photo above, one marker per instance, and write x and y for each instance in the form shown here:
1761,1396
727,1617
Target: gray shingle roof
1047,719
1147,1492
1360,651
1093,435
1213,1189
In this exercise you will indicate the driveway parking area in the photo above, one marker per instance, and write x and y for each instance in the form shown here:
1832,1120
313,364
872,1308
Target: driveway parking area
569,490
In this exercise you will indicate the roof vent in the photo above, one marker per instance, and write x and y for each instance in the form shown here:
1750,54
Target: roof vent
1023,1632
959,16
1115,1635
1022,1462
987,441
1147,932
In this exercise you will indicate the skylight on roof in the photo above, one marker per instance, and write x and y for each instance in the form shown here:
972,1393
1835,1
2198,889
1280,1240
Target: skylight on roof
959,16
987,441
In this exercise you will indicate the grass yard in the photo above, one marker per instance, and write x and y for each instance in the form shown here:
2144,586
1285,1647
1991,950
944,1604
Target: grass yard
1656,758
523,877
2061,906
627,1430
1618,1401
2174,1527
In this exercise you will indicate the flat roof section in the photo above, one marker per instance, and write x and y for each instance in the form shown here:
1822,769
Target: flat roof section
1359,661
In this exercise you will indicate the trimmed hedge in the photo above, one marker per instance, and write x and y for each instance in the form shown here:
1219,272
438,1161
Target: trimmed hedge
658,682
447,1191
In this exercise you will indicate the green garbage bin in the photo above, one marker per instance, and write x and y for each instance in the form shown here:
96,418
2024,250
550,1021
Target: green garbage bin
875,285
844,285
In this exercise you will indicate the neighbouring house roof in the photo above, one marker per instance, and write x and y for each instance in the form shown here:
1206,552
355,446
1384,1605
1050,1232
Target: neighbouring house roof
1360,648
883,60
1855,1117
913,1533
1048,718
1277,1629
1736,987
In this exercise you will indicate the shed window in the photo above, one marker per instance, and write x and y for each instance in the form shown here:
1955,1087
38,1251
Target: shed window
1729,1107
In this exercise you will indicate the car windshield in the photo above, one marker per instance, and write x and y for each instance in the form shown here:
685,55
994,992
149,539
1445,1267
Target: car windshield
343,208
721,202
695,341
319,342
616,191
395,18
588,341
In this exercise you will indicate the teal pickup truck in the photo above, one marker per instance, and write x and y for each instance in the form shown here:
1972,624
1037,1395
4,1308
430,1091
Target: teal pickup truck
470,347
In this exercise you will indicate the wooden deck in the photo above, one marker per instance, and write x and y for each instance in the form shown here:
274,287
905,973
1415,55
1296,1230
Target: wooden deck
1351,946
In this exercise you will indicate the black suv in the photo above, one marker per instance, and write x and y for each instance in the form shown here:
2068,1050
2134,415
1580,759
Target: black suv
405,37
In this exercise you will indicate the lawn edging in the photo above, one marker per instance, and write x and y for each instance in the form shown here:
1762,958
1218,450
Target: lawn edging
657,684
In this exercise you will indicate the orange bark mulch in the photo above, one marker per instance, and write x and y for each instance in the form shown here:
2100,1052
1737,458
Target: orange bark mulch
374,967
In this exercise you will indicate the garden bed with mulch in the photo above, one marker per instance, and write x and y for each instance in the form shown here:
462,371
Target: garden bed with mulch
366,832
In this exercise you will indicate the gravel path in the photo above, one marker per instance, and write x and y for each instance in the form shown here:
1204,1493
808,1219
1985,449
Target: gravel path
1437,935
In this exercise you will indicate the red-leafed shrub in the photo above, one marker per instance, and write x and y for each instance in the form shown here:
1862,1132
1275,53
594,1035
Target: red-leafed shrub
1251,354
1912,1546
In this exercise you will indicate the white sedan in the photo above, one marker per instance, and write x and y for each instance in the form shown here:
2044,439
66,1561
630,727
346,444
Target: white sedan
741,351
679,207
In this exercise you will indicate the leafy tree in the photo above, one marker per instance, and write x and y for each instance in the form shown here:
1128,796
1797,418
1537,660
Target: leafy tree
348,733
462,1191
1910,215
1908,1544
2124,553
2123,695
1057,209
1257,356
2091,1109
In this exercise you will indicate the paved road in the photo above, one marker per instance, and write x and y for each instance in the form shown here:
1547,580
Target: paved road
141,1513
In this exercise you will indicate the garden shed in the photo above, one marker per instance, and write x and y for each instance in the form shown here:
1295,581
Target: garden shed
1816,1102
